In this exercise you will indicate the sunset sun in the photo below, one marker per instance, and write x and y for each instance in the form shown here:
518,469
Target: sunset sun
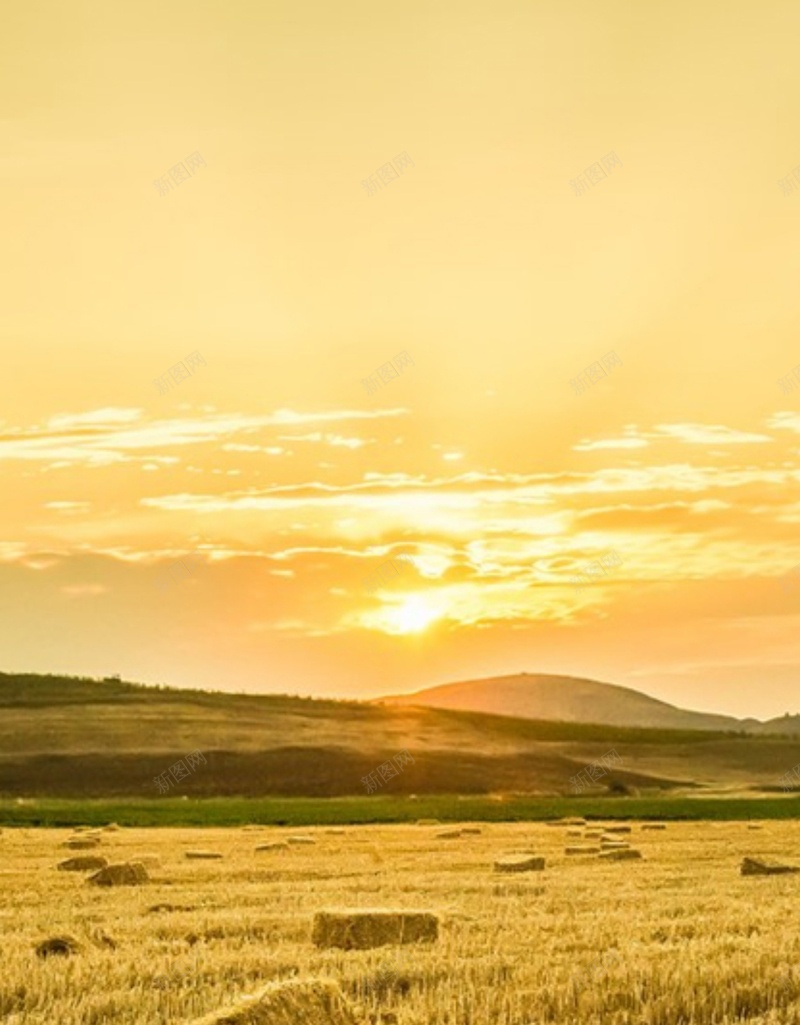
414,615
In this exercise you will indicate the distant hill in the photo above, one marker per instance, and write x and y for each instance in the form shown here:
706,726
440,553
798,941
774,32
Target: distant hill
577,700
75,737
785,724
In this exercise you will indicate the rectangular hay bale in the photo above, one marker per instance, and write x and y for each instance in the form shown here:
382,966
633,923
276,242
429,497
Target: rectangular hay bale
81,843
87,863
123,873
624,854
762,867
519,863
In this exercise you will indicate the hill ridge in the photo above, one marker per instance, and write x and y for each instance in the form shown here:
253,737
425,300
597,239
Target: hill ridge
556,697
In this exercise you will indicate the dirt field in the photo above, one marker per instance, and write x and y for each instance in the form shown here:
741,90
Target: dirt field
676,937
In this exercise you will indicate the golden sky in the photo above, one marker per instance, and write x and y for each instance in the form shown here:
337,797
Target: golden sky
487,259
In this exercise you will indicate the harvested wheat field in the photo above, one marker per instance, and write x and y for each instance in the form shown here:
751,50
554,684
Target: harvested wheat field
677,936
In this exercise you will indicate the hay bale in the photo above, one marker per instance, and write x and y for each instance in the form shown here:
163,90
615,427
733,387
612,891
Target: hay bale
62,946
278,846
575,832
581,849
471,830
519,863
335,832
81,843
123,873
654,825
312,1002
760,867
617,829
297,841
85,863
754,825
363,929
155,909
449,834
202,855
613,845
428,822
624,854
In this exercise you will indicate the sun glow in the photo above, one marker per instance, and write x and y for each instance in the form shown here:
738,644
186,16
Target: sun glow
413,615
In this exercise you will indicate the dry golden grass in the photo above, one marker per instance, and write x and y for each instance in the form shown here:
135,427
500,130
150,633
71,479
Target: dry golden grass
677,937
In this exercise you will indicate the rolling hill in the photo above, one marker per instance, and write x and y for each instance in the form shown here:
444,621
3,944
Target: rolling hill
572,699
62,736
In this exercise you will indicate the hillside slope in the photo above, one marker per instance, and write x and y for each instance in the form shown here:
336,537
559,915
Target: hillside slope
567,699
67,737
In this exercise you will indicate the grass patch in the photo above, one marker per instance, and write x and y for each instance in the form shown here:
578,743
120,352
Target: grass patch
172,812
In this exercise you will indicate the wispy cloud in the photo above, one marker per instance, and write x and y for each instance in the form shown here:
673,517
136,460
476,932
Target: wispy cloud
336,440
709,434
786,421
610,443
686,433
108,436
68,507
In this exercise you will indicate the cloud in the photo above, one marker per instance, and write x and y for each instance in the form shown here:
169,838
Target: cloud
785,421
94,418
709,434
104,437
688,433
336,440
83,590
610,443
406,496
69,507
